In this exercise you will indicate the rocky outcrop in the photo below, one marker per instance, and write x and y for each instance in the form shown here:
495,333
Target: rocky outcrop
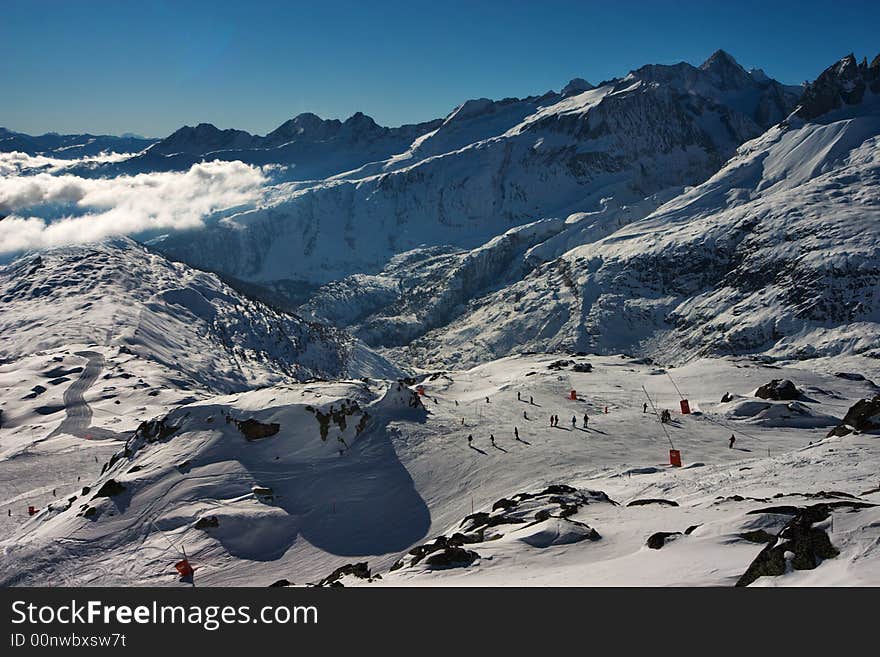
778,389
442,552
658,540
864,415
110,488
339,416
799,545
208,522
361,570
155,430
254,429
843,83
645,502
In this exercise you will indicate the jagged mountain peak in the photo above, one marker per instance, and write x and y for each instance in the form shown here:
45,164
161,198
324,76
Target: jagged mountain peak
843,83
306,126
720,59
360,122
726,71
576,86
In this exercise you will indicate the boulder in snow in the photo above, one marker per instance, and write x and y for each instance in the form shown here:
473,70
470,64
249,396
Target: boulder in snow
778,389
864,415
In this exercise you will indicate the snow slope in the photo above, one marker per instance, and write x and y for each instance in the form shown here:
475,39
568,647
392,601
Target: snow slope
97,339
117,293
388,474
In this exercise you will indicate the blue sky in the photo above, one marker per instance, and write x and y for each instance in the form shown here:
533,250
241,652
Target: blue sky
150,67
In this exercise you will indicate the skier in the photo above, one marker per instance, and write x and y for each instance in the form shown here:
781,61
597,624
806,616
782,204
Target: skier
518,396
470,440
53,492
574,422
462,421
551,420
732,440
531,400
487,400
516,433
525,416
586,420
555,420
456,402
492,439
645,407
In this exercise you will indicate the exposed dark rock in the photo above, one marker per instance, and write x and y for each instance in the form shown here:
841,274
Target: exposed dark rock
864,415
155,430
809,545
727,397
738,498
207,522
690,530
558,489
340,415
653,501
504,503
658,540
110,488
280,583
452,557
255,430
778,389
758,536
360,570
779,510
843,83
86,490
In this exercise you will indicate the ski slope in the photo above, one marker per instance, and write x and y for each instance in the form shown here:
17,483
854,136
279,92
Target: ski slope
372,489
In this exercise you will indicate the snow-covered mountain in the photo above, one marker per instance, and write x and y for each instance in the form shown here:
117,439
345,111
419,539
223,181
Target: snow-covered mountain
67,147
306,147
494,165
776,253
118,294
521,259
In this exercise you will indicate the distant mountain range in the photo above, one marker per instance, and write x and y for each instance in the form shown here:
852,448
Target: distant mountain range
677,210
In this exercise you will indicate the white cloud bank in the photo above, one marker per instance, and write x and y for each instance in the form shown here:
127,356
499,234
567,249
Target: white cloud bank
91,209
16,162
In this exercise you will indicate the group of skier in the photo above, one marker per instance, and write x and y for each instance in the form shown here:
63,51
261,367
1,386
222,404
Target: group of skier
665,417
554,421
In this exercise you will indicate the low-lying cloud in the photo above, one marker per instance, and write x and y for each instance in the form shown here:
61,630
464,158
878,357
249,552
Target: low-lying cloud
16,162
54,209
